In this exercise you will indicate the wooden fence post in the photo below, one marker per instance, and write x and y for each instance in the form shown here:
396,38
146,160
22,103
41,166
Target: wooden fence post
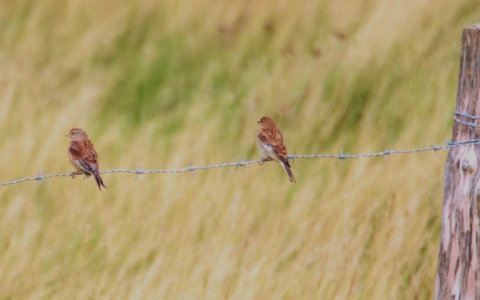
458,273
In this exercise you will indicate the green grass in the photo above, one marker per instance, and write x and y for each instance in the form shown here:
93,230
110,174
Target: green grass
165,85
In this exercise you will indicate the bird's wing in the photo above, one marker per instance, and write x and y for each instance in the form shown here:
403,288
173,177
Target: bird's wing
84,152
274,138
90,155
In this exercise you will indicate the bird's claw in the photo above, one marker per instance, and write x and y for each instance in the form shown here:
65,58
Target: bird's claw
264,160
79,173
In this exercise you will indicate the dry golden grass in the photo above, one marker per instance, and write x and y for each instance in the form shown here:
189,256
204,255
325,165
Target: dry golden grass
178,82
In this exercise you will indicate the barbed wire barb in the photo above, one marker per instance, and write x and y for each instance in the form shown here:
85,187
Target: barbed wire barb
244,163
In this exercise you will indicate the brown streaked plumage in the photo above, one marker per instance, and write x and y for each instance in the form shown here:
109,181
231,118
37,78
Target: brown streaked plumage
82,156
270,143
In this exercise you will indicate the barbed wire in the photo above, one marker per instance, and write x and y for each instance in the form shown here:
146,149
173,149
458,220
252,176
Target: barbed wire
464,114
244,163
470,124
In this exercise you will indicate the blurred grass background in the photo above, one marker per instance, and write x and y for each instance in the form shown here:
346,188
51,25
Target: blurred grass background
169,83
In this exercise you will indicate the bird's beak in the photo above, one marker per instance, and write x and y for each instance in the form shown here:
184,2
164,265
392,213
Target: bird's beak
258,122
67,134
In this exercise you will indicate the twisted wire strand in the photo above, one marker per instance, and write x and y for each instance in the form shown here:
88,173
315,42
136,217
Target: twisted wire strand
472,123
244,163
469,124
466,115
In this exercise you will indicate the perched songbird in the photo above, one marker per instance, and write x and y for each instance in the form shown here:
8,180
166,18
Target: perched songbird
82,156
270,143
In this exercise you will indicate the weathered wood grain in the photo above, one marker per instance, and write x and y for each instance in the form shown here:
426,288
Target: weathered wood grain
458,273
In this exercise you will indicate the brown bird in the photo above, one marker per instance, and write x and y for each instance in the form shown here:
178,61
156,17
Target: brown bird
82,156
270,143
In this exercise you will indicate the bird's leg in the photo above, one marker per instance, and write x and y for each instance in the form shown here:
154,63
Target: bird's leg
76,173
264,160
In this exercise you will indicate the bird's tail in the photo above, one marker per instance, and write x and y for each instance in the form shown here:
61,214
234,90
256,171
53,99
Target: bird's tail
99,181
90,169
287,167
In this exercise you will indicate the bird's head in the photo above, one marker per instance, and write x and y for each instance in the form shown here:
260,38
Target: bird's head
266,123
76,133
